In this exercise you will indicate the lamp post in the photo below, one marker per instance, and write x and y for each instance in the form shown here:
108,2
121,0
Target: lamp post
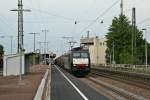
144,29
34,40
45,31
40,43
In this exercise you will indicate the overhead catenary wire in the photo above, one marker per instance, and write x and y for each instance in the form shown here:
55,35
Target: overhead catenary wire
4,20
143,21
52,14
42,16
34,16
60,16
101,15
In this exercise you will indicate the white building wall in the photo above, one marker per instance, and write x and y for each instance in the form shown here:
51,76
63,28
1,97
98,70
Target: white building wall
12,65
97,50
92,54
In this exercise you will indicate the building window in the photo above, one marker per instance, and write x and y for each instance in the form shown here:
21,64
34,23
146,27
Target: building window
103,43
100,43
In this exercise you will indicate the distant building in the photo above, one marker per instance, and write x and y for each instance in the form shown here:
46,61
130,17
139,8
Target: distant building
97,48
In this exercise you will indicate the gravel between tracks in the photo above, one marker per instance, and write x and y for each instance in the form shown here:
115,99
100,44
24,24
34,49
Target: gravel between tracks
100,89
133,89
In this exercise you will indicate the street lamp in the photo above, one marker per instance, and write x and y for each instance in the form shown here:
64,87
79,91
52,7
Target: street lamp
45,31
34,39
144,29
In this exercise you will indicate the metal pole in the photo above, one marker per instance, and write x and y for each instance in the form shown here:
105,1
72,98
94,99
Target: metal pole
20,25
47,46
40,51
97,47
145,47
132,39
121,6
34,44
88,34
146,51
45,31
40,46
133,35
45,43
113,53
20,33
20,11
11,39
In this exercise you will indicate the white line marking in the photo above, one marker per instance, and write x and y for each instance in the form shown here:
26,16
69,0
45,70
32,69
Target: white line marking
82,95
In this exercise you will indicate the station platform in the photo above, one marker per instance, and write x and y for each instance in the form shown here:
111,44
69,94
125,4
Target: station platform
11,88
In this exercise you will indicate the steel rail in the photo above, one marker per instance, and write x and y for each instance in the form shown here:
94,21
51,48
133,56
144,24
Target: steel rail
135,81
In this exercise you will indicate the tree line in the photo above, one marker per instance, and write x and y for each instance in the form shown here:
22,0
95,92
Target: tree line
128,45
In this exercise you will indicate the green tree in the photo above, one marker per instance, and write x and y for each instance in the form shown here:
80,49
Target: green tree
1,49
120,32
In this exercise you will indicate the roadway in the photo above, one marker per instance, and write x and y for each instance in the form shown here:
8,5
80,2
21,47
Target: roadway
67,87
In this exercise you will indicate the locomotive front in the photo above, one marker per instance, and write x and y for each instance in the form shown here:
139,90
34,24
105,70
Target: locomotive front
80,62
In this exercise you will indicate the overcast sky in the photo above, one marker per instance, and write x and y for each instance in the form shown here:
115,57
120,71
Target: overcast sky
59,16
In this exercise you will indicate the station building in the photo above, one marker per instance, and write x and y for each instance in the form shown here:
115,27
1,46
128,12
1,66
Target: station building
97,49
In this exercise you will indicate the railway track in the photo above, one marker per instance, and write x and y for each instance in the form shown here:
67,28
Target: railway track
117,92
142,82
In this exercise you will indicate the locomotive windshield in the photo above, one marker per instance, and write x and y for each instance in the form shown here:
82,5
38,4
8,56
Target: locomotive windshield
84,55
80,55
76,55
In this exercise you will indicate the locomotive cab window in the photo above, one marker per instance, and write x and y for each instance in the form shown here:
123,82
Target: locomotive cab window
84,55
76,55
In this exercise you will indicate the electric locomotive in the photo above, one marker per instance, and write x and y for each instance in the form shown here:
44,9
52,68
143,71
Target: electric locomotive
77,61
